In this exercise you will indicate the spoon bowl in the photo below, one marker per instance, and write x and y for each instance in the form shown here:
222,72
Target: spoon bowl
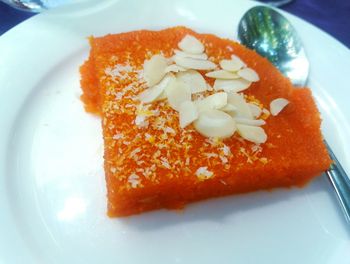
271,35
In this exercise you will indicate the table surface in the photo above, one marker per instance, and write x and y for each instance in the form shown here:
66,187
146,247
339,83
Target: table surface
332,16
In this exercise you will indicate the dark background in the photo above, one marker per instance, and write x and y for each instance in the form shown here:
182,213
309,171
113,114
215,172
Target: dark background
333,16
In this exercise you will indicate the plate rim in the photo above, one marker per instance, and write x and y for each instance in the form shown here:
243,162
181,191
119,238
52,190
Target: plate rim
6,41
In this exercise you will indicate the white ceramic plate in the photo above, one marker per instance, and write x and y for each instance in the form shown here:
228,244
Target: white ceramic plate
52,189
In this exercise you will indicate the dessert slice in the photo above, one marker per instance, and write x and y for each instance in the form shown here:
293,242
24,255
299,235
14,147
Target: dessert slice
190,116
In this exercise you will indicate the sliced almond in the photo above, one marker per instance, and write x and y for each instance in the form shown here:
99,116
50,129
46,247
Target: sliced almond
187,113
277,105
174,68
162,96
215,123
194,64
222,74
256,110
178,93
236,85
232,65
238,101
193,79
151,94
214,101
238,60
191,45
248,74
154,69
229,108
252,133
249,122
184,54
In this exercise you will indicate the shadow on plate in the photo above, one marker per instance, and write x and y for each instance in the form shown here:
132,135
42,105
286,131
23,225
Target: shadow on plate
221,210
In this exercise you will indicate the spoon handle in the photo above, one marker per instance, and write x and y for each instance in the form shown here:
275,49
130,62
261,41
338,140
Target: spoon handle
341,183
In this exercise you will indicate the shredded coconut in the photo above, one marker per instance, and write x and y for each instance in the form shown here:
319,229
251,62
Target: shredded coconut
223,182
118,136
161,146
141,121
159,123
226,150
165,163
224,160
119,71
134,180
149,138
169,130
203,173
119,95
211,155
256,148
135,151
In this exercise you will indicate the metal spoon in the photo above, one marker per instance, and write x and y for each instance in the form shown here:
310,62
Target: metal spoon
272,36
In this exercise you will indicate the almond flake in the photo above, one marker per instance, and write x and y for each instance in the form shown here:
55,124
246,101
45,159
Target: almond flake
174,68
238,60
229,108
249,122
256,110
194,63
252,133
151,94
193,79
214,101
178,93
232,65
191,45
187,113
236,85
238,101
162,96
183,54
154,69
248,74
215,123
277,105
222,74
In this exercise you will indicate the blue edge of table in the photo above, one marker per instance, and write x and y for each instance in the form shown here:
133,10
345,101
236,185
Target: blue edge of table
331,16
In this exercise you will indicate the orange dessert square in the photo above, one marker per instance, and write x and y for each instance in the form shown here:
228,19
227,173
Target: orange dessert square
152,162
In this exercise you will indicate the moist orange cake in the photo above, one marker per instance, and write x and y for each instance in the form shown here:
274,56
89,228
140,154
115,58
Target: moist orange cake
170,140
